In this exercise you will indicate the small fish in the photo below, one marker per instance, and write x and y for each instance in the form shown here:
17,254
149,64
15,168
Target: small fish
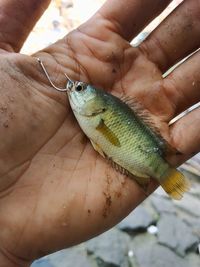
121,131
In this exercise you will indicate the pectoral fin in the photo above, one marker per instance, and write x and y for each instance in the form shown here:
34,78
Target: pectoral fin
108,133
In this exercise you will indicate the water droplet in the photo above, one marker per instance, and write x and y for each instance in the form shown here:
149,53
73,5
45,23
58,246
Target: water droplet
199,248
152,229
129,122
130,253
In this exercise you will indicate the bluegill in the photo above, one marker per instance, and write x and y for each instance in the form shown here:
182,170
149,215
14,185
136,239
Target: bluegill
124,135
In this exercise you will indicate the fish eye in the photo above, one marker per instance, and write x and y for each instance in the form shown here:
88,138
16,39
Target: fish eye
80,87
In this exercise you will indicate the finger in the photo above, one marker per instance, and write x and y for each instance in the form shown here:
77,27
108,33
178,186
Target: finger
182,86
185,135
177,37
17,18
130,17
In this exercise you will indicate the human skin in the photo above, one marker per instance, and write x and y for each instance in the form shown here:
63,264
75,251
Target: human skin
55,190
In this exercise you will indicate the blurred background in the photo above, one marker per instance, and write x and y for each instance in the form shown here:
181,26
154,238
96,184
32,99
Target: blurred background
160,232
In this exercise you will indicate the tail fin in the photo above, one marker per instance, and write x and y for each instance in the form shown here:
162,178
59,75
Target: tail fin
175,184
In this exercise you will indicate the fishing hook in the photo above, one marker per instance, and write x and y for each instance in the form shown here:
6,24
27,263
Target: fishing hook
49,79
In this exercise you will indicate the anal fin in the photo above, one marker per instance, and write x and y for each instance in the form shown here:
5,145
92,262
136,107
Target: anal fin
141,179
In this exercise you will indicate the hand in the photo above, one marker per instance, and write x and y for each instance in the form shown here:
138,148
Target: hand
55,190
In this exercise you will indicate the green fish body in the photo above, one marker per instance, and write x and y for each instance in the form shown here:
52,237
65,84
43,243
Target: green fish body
122,133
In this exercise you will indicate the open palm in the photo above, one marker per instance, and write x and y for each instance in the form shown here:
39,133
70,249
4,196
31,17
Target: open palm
55,190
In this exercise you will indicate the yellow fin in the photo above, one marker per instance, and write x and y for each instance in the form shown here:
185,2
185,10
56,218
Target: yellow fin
108,133
97,148
175,184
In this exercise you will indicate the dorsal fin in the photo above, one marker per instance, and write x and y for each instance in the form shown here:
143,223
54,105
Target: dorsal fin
147,119
142,113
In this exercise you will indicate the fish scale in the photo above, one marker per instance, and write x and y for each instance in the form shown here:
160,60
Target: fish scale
122,134
134,139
